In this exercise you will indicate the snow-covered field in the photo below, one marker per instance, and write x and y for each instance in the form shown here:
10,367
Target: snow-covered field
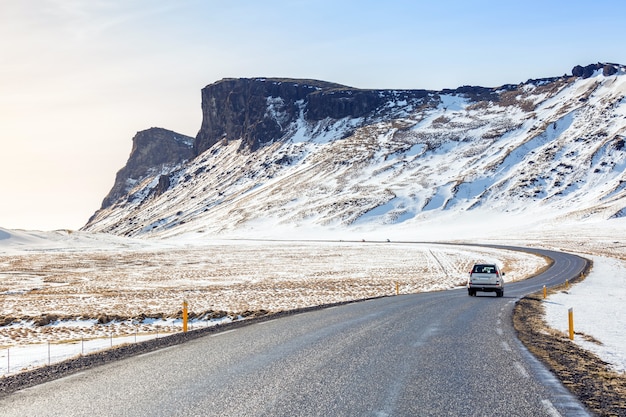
81,286
597,304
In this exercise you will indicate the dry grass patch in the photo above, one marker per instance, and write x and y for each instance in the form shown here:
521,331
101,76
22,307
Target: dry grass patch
45,290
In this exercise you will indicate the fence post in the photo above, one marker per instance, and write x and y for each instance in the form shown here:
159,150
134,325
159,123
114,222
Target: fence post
570,314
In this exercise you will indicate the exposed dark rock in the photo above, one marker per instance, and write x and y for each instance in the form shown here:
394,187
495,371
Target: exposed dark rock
587,71
261,110
163,185
609,70
255,110
338,104
477,93
577,71
152,149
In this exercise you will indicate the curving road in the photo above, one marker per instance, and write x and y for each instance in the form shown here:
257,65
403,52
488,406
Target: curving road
429,354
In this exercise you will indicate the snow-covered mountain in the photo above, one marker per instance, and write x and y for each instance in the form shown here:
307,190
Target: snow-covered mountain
303,153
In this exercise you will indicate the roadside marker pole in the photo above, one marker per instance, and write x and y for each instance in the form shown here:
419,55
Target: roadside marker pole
397,288
545,292
185,316
570,314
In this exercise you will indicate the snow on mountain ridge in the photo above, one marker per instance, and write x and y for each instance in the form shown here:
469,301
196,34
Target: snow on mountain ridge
555,147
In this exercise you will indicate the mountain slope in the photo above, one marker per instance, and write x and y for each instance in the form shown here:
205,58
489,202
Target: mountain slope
154,150
303,153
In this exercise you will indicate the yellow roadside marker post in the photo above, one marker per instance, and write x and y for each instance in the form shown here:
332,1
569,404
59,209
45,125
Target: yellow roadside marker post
570,314
545,292
185,316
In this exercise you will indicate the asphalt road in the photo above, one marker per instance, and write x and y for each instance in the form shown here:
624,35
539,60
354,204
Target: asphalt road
430,354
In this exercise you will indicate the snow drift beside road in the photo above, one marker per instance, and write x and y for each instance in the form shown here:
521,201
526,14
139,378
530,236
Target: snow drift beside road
598,305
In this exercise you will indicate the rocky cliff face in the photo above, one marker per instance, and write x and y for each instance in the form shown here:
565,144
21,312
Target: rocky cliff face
261,110
588,70
153,151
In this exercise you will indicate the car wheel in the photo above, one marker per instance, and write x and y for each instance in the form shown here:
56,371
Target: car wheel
500,293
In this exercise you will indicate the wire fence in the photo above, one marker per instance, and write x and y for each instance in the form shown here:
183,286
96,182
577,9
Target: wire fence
19,358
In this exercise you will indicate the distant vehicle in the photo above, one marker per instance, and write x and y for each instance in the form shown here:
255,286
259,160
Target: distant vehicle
486,278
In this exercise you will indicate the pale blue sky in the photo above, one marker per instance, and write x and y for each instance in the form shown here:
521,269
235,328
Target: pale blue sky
80,77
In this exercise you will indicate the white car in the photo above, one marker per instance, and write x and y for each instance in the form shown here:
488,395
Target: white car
486,278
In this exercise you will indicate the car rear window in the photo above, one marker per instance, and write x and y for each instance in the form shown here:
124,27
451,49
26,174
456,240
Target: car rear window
484,269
